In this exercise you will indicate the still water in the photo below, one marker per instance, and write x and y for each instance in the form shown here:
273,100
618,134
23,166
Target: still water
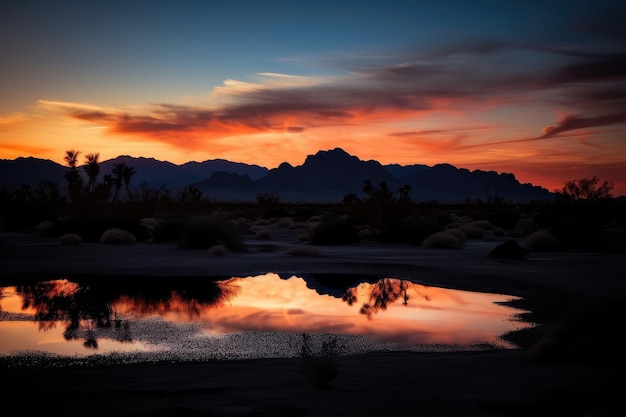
245,317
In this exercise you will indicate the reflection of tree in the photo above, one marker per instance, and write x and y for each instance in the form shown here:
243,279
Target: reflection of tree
87,308
191,299
382,293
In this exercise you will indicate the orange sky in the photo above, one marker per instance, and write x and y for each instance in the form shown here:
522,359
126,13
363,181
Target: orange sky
545,104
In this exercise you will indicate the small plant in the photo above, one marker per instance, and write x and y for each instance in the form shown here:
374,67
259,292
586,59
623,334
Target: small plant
118,236
263,234
218,250
45,228
542,241
472,231
70,239
445,240
319,365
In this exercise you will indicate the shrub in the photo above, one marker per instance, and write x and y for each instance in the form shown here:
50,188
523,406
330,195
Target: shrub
218,250
208,231
542,241
319,365
458,233
263,234
45,228
472,232
444,239
334,231
413,229
482,224
118,236
71,239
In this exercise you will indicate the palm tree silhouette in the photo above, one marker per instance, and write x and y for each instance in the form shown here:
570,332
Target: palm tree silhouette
92,168
122,176
73,178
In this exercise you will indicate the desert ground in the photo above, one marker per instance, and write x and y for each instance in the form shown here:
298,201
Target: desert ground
572,364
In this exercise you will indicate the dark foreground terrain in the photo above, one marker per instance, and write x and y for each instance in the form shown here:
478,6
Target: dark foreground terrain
571,364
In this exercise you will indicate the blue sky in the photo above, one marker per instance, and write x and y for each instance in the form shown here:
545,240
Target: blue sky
535,88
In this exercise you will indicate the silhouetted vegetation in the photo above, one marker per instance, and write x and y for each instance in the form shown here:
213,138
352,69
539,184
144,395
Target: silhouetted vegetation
585,216
88,307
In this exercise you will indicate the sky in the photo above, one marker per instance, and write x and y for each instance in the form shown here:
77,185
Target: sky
533,88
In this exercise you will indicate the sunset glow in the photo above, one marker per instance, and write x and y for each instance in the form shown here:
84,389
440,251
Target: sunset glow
531,88
431,316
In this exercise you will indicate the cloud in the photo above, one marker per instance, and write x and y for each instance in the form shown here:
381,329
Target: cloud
407,88
574,122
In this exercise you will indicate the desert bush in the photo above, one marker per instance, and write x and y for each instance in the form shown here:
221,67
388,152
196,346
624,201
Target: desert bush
261,222
498,231
524,227
579,234
303,236
443,239
458,233
70,239
412,229
218,250
169,229
263,234
206,231
334,231
319,365
472,232
542,241
287,222
482,224
45,228
118,236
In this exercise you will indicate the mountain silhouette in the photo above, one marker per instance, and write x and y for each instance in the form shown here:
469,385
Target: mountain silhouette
327,176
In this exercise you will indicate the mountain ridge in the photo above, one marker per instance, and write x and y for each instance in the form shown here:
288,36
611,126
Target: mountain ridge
326,176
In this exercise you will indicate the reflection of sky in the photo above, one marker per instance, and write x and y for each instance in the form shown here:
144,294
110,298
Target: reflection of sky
267,303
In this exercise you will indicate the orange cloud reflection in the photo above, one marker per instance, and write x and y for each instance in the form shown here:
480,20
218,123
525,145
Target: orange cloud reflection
431,315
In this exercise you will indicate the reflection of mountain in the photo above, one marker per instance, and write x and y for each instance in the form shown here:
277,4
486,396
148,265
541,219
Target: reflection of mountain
327,176
185,314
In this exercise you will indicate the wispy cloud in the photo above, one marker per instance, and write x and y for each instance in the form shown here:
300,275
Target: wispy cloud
457,79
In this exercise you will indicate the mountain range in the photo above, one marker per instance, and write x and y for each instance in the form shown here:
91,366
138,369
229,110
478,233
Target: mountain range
327,176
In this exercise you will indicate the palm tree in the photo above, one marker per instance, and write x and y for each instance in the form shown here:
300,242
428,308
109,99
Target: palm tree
122,176
71,157
92,168
127,173
73,178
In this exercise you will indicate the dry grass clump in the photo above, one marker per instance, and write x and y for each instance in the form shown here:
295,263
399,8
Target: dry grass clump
286,222
45,228
205,231
543,241
446,239
261,222
472,232
218,250
483,224
499,231
117,236
71,239
303,251
319,365
524,227
458,233
263,234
